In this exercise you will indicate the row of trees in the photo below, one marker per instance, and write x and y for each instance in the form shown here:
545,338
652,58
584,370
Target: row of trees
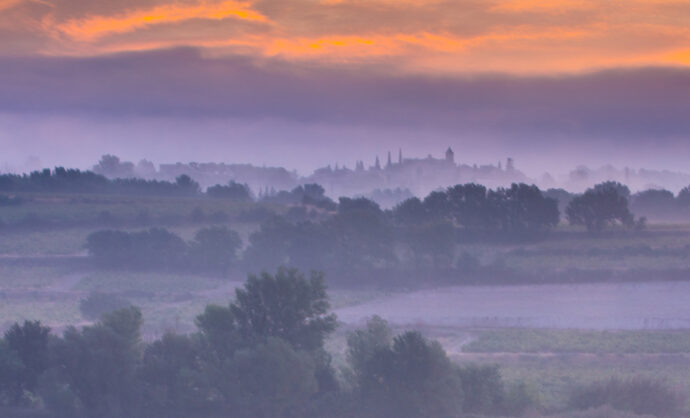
361,240
520,211
260,356
213,250
61,180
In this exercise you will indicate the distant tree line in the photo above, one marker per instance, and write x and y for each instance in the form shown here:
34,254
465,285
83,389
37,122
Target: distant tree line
657,203
262,355
213,249
519,210
61,180
359,241
306,195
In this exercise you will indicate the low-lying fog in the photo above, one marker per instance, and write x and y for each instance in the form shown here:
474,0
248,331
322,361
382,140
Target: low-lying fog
584,306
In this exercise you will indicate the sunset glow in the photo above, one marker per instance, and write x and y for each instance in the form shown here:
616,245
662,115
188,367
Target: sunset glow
512,36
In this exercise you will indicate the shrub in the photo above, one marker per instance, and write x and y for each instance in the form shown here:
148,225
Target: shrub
638,395
483,389
234,191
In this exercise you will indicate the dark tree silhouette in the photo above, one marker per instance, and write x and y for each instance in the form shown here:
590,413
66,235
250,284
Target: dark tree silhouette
284,305
599,207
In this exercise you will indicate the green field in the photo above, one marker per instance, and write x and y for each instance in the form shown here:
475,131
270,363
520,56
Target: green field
554,377
579,341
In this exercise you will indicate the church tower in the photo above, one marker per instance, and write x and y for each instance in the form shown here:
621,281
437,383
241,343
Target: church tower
450,156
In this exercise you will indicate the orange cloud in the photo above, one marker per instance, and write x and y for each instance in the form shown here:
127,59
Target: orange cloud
6,4
433,36
679,57
399,44
98,26
560,6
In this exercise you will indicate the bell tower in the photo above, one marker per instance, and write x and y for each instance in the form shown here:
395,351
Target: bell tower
450,156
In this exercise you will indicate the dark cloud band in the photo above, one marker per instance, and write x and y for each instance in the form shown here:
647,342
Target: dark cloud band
182,83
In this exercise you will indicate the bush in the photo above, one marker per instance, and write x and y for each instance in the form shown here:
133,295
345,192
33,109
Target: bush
483,389
215,249
638,395
234,191
152,248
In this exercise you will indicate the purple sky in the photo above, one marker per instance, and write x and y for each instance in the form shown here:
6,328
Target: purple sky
178,105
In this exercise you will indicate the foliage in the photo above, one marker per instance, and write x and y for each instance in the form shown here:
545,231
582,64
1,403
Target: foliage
155,247
63,180
362,344
521,211
285,305
639,395
98,364
483,389
309,195
411,378
213,249
24,358
601,206
234,191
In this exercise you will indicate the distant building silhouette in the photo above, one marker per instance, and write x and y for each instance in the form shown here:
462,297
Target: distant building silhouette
450,156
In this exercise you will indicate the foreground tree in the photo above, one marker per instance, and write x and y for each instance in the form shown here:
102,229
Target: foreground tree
285,305
24,358
411,378
95,370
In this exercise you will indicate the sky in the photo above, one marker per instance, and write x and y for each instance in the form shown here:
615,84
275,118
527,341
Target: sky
306,83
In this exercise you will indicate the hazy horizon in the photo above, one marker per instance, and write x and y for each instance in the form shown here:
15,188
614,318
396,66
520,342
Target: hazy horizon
306,84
